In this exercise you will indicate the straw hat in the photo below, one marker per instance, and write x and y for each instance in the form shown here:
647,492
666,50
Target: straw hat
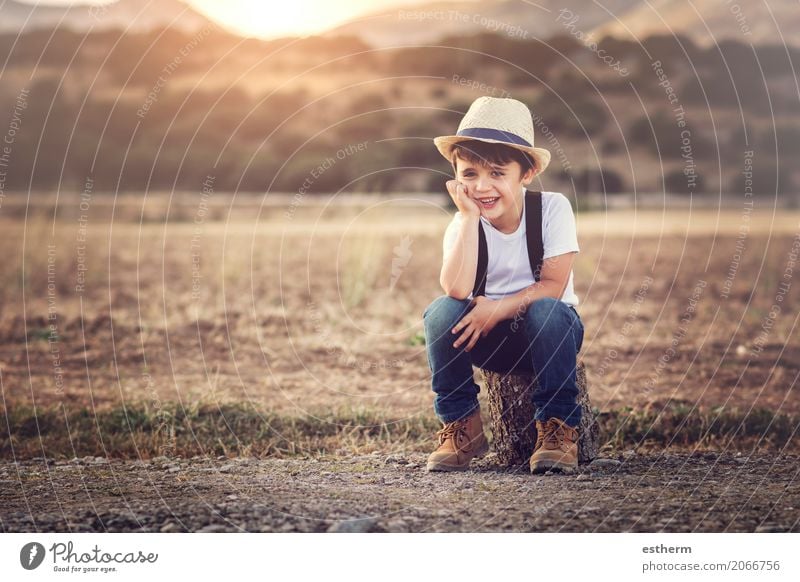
496,120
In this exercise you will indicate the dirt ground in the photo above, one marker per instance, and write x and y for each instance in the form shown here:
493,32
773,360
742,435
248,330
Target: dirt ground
681,492
301,313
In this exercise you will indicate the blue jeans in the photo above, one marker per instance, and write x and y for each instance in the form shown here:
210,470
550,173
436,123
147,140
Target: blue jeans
544,341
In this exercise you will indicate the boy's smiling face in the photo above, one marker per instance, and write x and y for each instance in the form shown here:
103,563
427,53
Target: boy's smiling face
497,188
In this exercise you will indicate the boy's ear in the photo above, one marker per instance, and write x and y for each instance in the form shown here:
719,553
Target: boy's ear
529,175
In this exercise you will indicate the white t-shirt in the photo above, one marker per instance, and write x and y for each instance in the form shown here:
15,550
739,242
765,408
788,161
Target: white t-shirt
509,270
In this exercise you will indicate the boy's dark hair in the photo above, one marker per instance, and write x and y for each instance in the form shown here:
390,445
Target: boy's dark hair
485,153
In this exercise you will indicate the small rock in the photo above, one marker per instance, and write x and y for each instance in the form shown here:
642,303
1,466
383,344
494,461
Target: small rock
770,528
227,468
214,528
741,460
173,469
359,525
604,463
170,527
395,459
397,526
583,477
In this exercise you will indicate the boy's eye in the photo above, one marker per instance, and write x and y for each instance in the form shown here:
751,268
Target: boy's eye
469,174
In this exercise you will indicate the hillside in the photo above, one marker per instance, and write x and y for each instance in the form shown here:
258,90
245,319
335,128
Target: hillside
704,21
134,15
431,22
709,21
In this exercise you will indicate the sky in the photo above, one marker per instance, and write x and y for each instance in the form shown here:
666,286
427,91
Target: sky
274,18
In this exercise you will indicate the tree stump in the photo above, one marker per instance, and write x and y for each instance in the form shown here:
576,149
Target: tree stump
513,428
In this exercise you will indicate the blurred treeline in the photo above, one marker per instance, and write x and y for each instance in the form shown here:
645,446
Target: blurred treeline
265,115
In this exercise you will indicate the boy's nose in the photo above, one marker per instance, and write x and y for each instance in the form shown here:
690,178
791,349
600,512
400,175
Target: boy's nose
481,184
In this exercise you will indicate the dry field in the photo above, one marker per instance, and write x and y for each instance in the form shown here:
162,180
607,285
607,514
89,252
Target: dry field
232,326
249,367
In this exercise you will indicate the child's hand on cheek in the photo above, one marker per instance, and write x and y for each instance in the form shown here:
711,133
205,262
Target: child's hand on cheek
462,199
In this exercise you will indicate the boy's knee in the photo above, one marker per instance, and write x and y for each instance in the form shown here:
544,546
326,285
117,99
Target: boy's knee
544,312
444,309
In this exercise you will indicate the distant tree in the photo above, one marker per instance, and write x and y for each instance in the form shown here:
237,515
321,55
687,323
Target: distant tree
612,146
785,137
618,47
269,112
771,177
589,117
368,102
418,153
575,117
604,180
677,49
661,134
776,60
677,182
571,85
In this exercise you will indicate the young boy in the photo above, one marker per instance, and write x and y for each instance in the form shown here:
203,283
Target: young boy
510,320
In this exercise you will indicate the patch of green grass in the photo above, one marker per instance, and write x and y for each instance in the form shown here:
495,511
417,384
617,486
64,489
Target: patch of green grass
43,333
137,431
679,425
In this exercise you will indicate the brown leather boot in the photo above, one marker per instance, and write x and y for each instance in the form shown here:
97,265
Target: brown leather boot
556,446
459,442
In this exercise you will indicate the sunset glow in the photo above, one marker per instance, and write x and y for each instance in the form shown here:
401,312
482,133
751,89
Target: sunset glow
266,19
273,18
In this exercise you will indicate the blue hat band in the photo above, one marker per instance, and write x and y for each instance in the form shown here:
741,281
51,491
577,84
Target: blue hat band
489,133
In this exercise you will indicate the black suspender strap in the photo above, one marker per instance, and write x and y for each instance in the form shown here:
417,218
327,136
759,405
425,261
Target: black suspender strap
533,232
483,263
533,235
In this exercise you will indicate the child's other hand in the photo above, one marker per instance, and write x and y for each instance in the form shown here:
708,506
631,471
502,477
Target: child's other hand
466,205
481,319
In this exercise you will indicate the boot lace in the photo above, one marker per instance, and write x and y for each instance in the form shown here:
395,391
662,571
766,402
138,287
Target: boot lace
455,429
552,434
